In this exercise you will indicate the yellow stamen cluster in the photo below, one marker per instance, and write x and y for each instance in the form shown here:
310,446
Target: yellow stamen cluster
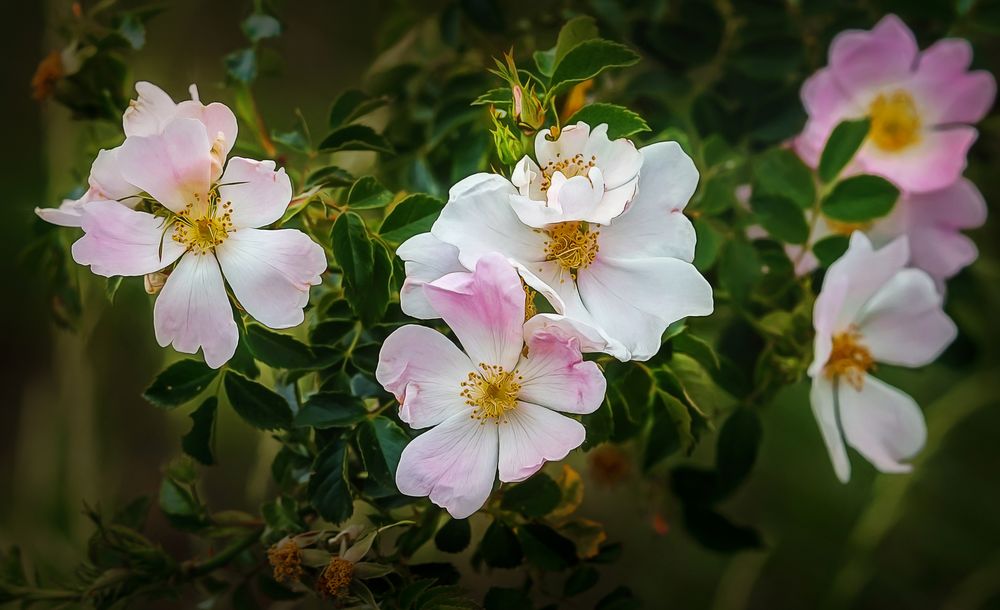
573,166
492,391
335,578
286,561
572,244
529,302
846,228
895,123
201,233
849,359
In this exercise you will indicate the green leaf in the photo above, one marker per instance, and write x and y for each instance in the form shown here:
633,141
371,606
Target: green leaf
257,405
179,504
781,217
330,175
353,104
506,598
545,61
860,199
536,497
179,383
411,216
381,442
278,350
718,533
111,290
546,548
331,410
669,431
843,143
366,265
621,121
328,489
587,60
780,172
576,31
200,438
355,137
241,66
739,270
454,537
496,97
736,447
581,579
133,30
259,26
368,193
500,547
829,249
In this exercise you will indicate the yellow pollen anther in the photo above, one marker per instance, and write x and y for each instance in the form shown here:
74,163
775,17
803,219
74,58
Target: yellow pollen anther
849,359
572,244
492,391
529,302
286,560
571,167
895,123
203,232
336,578
846,228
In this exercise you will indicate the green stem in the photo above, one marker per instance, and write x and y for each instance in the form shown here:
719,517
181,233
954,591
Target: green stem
193,569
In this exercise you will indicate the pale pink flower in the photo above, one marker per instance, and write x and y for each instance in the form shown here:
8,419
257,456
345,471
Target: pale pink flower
146,115
210,229
871,309
492,408
583,176
921,104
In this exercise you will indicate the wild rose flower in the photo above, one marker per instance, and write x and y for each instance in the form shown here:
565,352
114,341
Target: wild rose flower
493,407
921,104
873,310
146,115
630,279
583,176
210,229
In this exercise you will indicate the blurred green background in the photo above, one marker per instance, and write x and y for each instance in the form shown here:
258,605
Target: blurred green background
74,429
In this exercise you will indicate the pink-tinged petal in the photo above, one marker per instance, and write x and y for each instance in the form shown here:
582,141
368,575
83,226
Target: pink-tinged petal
809,144
826,317
174,167
426,258
882,423
150,112
590,338
825,99
424,371
945,58
454,464
485,310
963,98
634,301
193,311
957,206
571,141
479,219
68,214
219,121
533,435
259,193
824,408
903,323
865,271
106,180
933,163
121,241
618,159
555,375
270,272
865,60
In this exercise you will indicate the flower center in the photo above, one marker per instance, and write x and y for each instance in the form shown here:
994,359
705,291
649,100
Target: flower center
529,302
846,228
286,560
336,578
202,233
492,391
849,358
571,167
895,123
572,244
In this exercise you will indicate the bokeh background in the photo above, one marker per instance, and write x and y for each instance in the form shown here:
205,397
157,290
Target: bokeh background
74,428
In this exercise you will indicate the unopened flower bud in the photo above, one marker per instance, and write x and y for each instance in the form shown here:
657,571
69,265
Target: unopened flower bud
508,145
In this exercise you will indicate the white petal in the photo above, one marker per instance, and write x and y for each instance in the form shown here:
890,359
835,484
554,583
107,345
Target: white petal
424,371
175,167
454,464
219,121
618,159
824,407
904,324
865,270
271,272
106,180
149,112
590,337
826,313
68,214
193,311
533,435
571,141
121,241
882,423
426,258
259,193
